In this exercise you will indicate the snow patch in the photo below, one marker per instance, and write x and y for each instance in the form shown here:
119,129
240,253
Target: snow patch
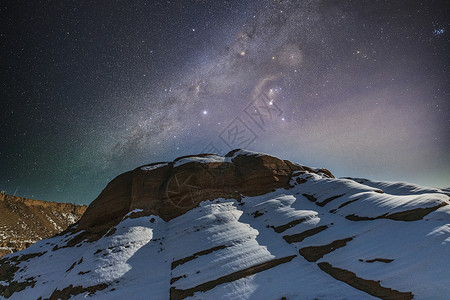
203,160
153,167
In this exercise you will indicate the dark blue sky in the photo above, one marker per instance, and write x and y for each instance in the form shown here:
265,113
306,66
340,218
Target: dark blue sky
92,89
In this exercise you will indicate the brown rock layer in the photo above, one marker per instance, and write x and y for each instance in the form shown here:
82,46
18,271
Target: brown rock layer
371,287
170,189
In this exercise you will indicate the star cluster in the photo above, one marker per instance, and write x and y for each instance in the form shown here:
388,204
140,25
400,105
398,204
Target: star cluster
92,89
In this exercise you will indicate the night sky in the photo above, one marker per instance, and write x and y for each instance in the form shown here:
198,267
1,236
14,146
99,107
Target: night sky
91,89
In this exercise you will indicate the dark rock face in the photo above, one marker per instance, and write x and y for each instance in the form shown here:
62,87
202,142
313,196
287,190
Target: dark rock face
170,189
110,207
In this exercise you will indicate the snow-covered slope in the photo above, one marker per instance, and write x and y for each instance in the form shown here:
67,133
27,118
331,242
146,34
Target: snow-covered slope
317,238
400,188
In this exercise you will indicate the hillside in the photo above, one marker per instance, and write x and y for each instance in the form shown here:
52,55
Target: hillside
243,226
25,221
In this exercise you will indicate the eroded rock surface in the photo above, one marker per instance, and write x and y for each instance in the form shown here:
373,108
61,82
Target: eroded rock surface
169,189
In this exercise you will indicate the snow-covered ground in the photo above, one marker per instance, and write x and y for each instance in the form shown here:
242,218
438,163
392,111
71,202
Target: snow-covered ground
258,248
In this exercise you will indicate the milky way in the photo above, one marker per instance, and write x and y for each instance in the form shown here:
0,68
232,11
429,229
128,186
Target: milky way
90,90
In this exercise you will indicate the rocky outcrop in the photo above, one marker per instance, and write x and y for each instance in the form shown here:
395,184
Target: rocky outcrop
169,189
24,221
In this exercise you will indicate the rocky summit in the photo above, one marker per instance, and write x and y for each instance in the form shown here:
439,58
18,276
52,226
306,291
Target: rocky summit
243,226
169,189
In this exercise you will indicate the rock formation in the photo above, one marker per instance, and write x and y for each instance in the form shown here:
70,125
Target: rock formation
25,221
169,189
243,226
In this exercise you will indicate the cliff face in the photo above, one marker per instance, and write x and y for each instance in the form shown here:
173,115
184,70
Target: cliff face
25,221
170,189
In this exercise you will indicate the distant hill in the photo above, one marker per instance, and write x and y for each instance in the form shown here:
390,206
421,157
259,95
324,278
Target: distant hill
25,221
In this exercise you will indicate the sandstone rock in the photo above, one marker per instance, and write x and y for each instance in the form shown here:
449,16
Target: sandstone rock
169,189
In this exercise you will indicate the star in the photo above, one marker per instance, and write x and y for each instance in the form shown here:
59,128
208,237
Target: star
438,31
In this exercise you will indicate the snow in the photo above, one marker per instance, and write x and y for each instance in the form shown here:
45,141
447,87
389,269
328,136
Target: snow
213,158
137,260
71,218
58,228
374,205
248,153
153,167
209,158
136,210
400,188
203,160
